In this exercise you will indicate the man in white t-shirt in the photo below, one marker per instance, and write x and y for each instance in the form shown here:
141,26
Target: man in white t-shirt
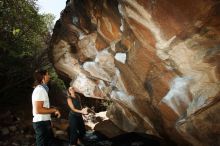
42,110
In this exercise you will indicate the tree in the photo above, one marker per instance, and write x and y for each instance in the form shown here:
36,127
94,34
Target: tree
24,34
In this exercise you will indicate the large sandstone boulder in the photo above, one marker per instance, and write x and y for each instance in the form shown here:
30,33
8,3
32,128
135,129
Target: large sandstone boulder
158,62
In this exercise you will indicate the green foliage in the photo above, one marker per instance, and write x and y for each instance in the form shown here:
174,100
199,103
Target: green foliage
48,19
56,79
24,34
106,103
15,31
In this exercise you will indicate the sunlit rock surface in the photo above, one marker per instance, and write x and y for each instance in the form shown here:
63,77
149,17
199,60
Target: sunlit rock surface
157,61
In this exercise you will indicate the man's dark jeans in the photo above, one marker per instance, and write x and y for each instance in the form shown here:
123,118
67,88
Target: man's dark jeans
44,134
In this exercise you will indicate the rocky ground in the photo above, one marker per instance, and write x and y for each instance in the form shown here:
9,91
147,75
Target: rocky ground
16,130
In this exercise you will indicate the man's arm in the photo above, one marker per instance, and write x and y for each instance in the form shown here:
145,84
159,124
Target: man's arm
42,110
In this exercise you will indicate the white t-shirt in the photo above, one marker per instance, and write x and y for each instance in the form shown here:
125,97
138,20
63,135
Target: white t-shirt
40,94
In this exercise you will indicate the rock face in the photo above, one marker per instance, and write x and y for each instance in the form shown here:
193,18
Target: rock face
157,61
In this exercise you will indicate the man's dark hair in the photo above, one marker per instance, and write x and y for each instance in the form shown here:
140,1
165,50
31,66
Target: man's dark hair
38,76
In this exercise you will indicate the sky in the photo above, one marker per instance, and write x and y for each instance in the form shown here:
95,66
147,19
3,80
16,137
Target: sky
52,6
